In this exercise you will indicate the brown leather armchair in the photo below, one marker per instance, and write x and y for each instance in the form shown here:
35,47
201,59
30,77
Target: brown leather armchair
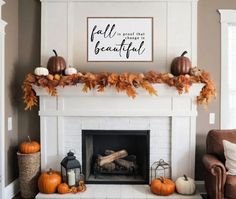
218,184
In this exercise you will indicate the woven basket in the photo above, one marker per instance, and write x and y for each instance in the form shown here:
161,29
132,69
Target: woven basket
29,170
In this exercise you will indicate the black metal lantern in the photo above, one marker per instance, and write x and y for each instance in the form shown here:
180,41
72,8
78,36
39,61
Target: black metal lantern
159,169
70,169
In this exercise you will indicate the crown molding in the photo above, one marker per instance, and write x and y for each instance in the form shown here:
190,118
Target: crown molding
2,2
227,16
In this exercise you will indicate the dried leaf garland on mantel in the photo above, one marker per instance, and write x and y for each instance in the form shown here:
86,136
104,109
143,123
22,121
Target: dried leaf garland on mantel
122,82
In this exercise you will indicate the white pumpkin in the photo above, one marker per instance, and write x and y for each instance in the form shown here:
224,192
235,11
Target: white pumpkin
70,71
185,185
41,71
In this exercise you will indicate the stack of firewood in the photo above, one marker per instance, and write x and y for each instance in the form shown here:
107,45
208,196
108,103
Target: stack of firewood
111,160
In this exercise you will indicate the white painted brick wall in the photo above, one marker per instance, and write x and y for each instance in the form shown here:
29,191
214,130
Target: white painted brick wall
160,135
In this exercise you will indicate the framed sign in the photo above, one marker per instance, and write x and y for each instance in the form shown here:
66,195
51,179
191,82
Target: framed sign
119,39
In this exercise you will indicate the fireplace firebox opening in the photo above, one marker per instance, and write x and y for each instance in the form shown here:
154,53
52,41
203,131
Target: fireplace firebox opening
116,156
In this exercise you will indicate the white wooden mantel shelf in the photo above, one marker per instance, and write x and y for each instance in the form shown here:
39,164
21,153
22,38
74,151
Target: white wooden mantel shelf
72,101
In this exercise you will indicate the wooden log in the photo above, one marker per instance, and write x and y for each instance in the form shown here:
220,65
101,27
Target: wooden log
109,152
110,158
125,163
131,158
109,166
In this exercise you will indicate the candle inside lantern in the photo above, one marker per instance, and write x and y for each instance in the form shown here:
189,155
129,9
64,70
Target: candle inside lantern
71,177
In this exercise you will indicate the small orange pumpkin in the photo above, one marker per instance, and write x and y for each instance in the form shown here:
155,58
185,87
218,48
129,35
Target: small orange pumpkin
48,181
162,186
63,188
29,146
181,65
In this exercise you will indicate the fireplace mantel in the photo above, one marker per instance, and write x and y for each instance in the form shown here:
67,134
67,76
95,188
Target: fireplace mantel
71,101
170,117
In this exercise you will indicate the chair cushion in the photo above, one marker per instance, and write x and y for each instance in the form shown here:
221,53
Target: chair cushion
214,142
230,187
230,156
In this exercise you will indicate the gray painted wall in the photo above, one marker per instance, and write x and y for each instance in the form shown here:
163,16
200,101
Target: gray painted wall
209,58
10,15
22,55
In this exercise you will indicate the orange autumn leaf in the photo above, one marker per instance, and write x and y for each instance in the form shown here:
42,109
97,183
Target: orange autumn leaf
122,82
146,85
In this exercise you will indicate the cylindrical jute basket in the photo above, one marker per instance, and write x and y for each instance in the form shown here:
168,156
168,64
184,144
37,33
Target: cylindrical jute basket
29,171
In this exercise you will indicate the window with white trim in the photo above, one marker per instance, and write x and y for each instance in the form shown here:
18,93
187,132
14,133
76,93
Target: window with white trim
228,69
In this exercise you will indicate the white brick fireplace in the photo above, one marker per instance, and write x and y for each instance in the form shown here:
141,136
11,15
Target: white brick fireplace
170,117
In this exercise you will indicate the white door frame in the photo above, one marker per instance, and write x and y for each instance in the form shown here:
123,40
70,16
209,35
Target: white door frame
227,18
2,104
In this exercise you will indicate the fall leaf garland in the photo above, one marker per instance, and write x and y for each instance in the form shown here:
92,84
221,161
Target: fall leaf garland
122,82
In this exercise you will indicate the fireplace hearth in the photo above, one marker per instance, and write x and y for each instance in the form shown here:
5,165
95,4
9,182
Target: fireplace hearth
130,150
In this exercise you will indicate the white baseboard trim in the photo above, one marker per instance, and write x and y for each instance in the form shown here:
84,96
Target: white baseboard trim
200,186
12,189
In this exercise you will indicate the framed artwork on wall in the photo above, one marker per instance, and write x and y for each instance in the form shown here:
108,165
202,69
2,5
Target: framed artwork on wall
119,39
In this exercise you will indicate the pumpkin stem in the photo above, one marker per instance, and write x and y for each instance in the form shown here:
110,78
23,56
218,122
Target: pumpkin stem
50,171
184,53
185,178
162,179
29,138
55,52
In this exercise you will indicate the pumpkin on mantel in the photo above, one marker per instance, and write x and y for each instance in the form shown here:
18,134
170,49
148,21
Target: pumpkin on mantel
181,65
162,186
49,181
41,71
56,64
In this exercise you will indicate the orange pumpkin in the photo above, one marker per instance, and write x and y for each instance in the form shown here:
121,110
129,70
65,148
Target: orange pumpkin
29,146
63,188
162,186
48,181
181,65
56,64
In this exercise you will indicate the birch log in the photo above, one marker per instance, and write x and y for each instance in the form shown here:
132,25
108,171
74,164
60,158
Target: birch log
110,158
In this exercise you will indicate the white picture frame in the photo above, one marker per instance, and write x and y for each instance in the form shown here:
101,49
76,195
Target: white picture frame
120,39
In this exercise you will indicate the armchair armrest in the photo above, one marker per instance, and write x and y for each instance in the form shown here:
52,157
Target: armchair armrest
211,162
215,176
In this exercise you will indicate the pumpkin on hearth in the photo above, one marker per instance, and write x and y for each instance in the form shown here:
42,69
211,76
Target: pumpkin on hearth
162,186
63,188
181,65
56,64
29,146
49,181
185,185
